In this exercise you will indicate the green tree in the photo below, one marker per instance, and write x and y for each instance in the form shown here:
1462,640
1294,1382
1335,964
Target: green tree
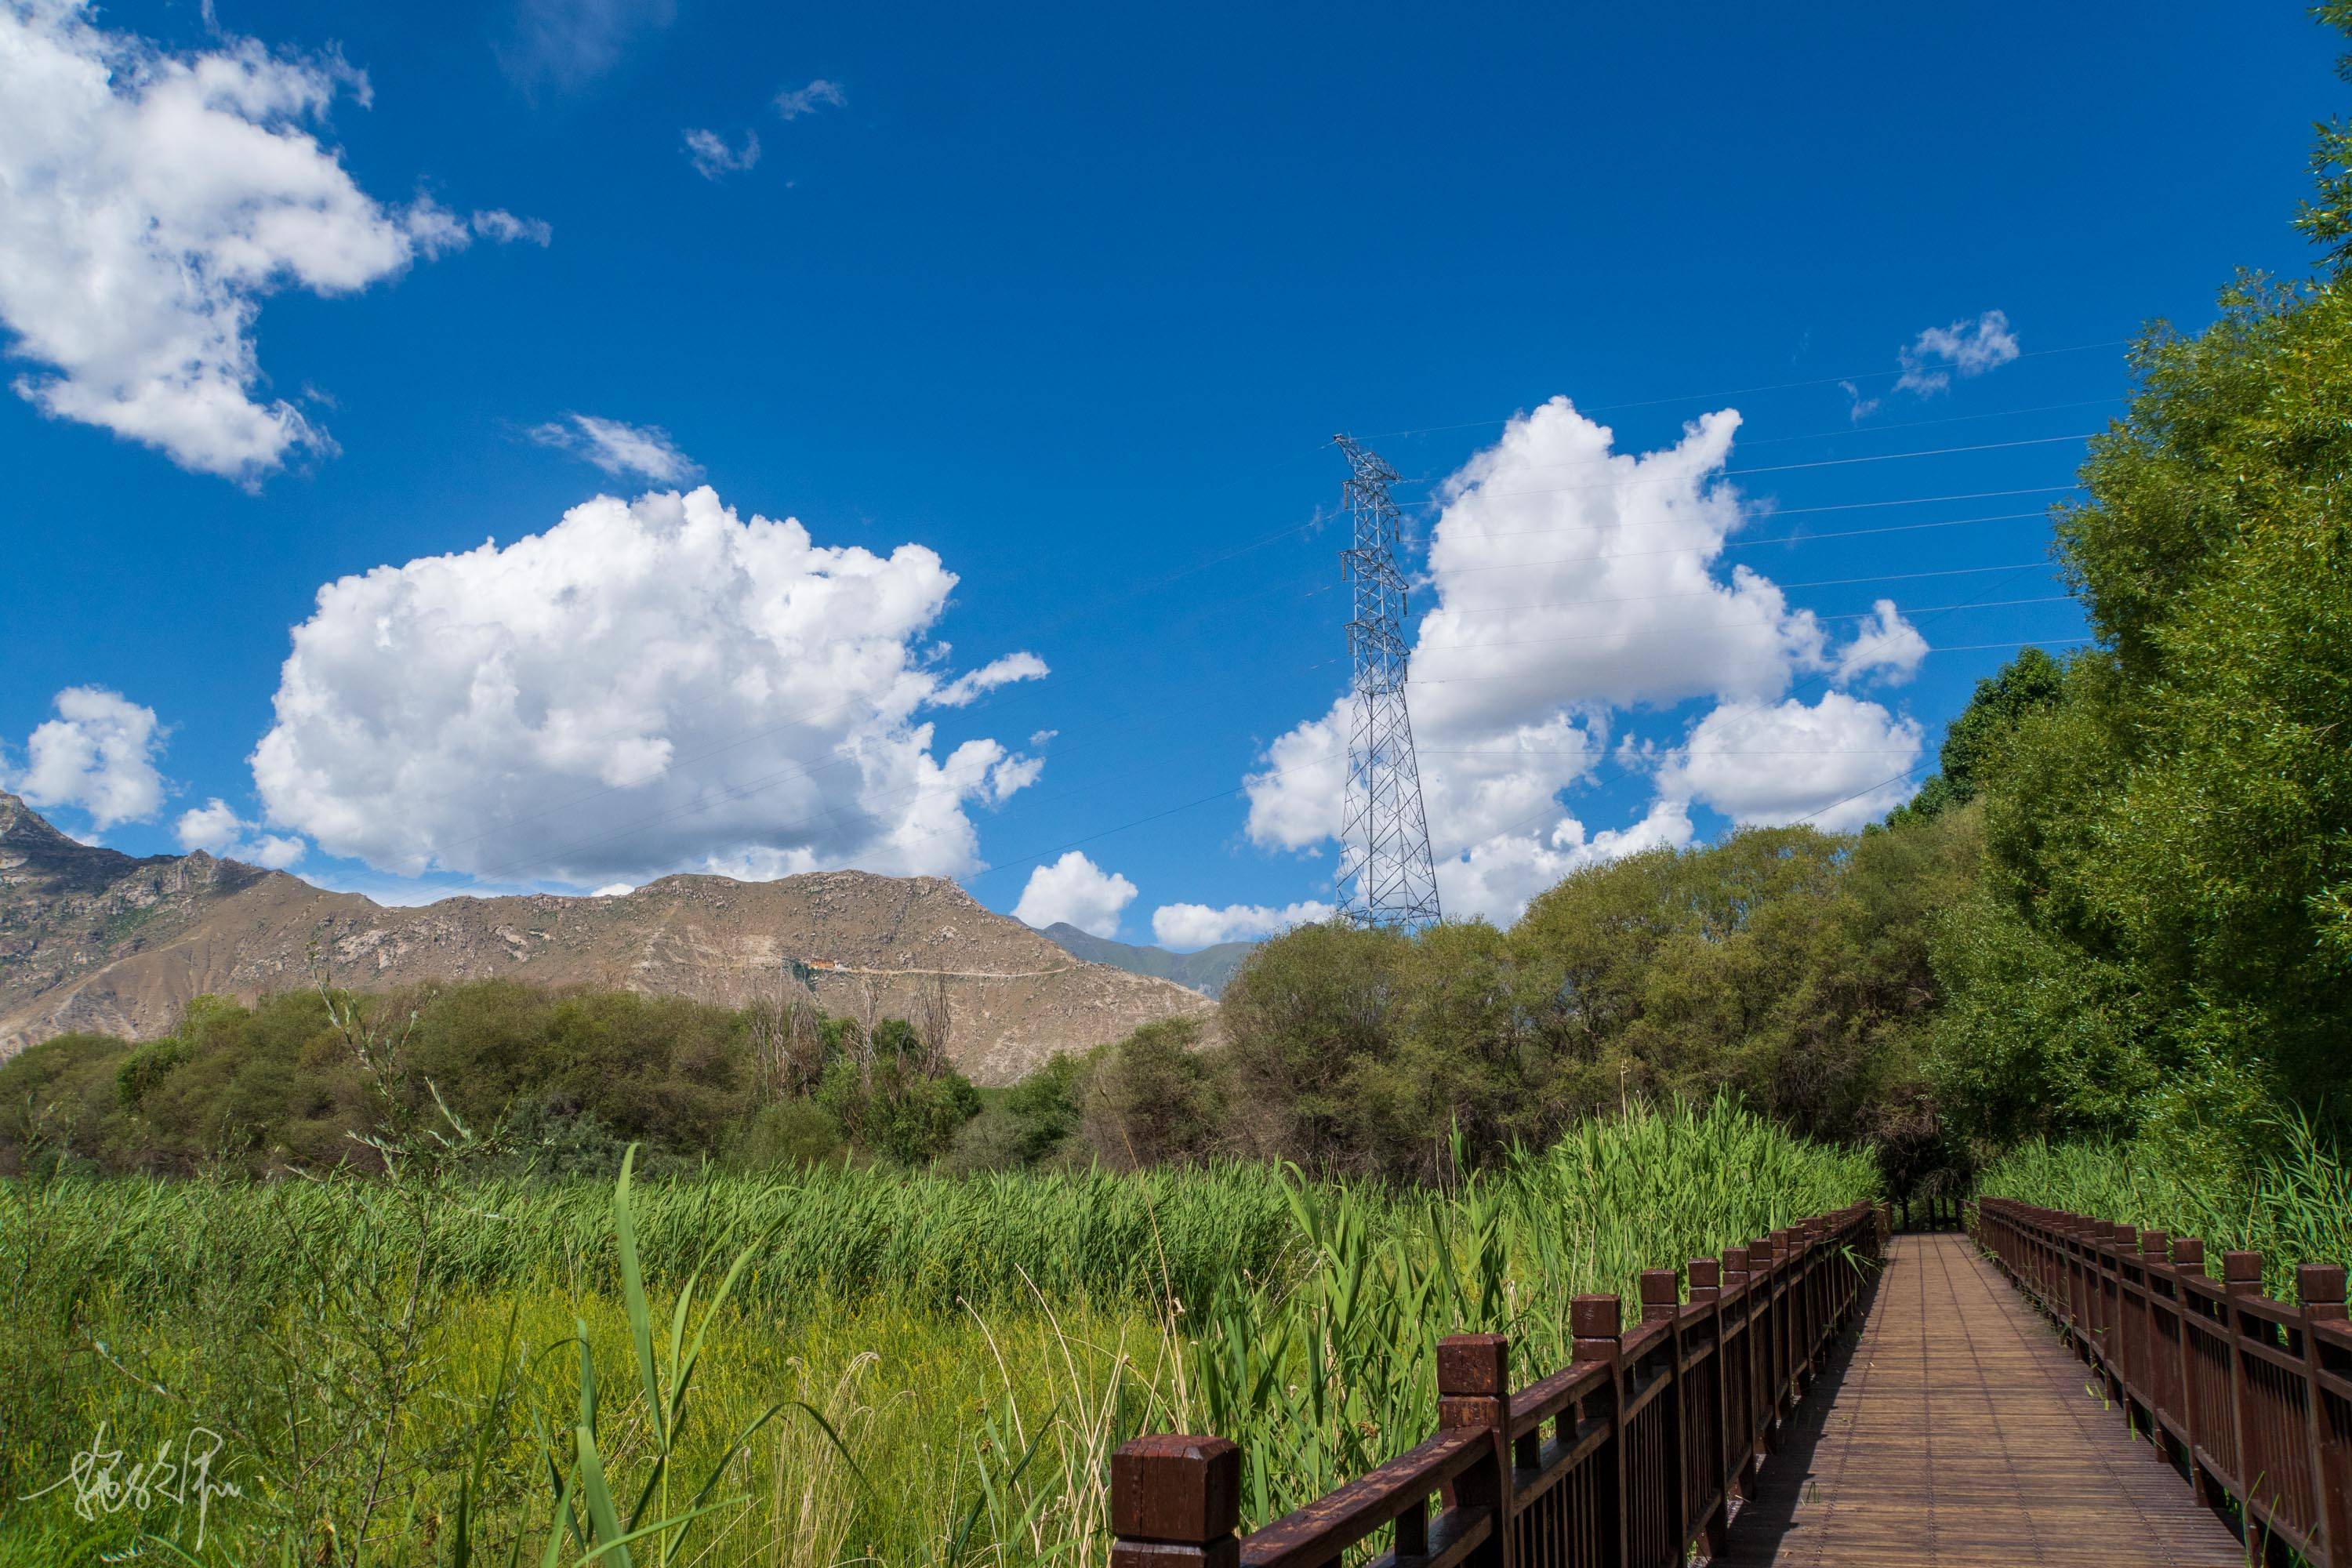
2169,847
2027,684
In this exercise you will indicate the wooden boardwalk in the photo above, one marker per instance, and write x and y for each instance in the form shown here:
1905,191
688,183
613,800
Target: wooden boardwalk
1956,1428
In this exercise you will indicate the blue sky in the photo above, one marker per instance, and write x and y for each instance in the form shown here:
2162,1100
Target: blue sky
1073,299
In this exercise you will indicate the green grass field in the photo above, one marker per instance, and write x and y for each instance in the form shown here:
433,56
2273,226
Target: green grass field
890,1368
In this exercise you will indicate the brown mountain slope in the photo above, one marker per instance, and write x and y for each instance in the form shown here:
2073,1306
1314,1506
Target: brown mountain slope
90,939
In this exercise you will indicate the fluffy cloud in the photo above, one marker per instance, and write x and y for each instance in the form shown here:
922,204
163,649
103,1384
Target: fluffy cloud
148,201
216,829
98,753
713,158
1198,925
621,450
1885,644
647,687
1074,890
1834,763
794,102
1964,347
1572,581
1499,876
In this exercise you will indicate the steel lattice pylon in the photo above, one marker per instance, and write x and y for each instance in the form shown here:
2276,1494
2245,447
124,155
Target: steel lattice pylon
1386,876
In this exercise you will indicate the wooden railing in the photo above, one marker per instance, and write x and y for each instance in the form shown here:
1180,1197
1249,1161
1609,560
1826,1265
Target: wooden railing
2250,1398
1627,1458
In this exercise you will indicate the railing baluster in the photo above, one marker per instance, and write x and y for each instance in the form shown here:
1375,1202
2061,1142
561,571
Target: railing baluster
1662,1303
2188,1263
1739,1454
2241,1275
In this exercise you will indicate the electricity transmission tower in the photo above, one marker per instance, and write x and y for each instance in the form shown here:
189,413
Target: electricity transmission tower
1386,876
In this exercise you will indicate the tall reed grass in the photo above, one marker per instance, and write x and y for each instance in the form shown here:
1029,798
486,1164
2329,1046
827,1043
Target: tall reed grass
833,1234
904,1370
2291,1201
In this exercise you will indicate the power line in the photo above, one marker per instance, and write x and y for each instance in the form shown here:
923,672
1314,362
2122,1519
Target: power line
1552,803
1776,511
1746,543
1924,424
1790,468
1729,392
1722,625
1714,588
1952,648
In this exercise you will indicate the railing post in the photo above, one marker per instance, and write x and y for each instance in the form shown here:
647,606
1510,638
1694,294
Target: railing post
1706,1291
1597,1323
2154,1246
2241,1275
1474,1390
1662,1303
2319,1288
2127,1321
1174,1502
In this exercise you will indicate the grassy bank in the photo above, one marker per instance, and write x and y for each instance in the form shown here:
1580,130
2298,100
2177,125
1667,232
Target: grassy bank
906,1368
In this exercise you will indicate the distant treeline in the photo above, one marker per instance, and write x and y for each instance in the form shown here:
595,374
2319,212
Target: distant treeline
1789,965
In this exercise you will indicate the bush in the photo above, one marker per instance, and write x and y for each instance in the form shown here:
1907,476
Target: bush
1155,1099
790,1133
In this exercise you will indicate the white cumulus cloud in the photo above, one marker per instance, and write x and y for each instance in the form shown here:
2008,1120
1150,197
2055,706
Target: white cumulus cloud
1837,762
150,201
620,450
1964,347
1074,890
215,829
1199,925
98,755
714,159
1572,581
646,686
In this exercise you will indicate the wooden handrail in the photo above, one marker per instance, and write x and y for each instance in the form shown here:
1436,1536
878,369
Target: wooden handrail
2249,1397
1627,1457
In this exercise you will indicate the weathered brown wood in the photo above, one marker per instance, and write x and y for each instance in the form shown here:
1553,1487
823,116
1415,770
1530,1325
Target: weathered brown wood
1651,1430
2319,1292
1955,1428
1174,1503
2247,1394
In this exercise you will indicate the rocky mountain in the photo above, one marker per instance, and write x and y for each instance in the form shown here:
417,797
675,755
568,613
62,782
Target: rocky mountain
1205,970
92,939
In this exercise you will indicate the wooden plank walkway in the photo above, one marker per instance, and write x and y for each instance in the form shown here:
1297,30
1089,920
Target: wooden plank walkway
1956,1428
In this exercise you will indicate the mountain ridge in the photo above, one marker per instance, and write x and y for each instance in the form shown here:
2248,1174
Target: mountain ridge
94,939
1207,970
